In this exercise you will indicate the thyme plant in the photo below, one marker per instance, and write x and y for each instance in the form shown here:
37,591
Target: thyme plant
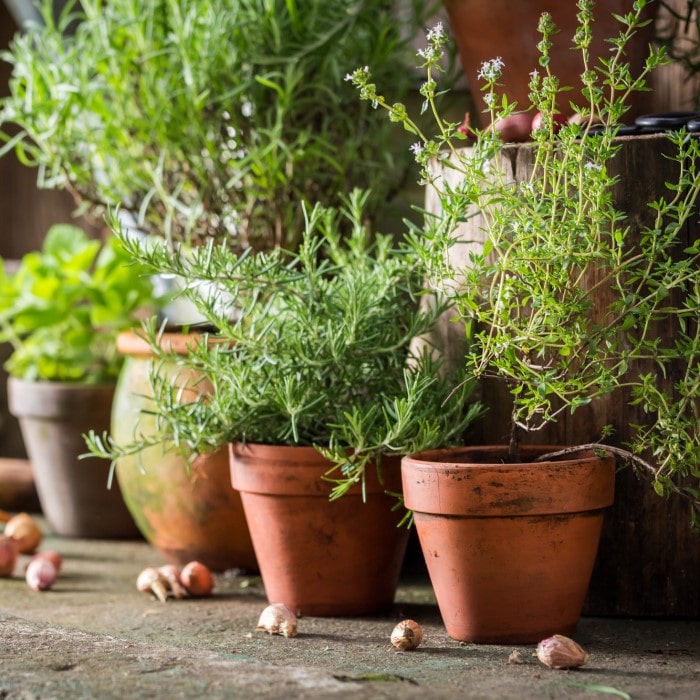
557,237
208,119
314,347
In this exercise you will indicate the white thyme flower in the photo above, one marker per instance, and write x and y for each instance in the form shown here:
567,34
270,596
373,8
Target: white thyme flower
589,165
427,53
489,99
436,33
491,70
416,148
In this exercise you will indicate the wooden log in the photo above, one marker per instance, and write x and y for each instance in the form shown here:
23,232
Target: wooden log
649,560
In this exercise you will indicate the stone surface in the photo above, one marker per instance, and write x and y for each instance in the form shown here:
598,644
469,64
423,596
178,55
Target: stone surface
93,635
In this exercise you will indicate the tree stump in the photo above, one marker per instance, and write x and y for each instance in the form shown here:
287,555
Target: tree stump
649,560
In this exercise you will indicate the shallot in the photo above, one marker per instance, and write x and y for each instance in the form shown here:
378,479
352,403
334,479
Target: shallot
41,574
25,531
150,580
197,579
561,652
54,557
277,618
407,635
8,556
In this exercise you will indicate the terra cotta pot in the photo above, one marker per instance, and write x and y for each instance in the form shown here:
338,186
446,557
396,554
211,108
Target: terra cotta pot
73,492
319,557
509,547
187,511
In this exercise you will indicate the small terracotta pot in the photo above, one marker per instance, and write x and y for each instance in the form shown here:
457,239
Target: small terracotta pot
73,492
509,547
187,511
319,557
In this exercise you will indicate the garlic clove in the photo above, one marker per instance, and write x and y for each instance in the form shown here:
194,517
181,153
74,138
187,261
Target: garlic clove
407,635
172,574
41,574
150,580
560,652
277,618
197,579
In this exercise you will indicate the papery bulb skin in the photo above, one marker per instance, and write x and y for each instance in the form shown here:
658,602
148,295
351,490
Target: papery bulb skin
407,635
277,618
561,652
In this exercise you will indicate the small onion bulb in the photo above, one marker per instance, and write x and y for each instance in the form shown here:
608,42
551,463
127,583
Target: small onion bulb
23,529
41,574
197,579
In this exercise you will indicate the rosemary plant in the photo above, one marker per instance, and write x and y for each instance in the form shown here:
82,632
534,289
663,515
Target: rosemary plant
210,119
555,238
314,347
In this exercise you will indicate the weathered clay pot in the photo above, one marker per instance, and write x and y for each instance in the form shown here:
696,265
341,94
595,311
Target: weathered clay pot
509,547
319,557
73,492
187,511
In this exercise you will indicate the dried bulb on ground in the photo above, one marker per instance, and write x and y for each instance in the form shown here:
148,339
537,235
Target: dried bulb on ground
8,556
407,635
54,557
25,531
41,574
197,579
561,652
277,618
172,574
150,580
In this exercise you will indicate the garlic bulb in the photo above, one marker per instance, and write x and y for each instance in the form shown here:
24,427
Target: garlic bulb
561,652
150,580
407,635
277,618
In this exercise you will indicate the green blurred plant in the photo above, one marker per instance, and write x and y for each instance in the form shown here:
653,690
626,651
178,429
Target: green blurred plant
208,119
62,308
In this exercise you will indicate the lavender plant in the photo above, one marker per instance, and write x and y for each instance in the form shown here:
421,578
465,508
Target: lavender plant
555,238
